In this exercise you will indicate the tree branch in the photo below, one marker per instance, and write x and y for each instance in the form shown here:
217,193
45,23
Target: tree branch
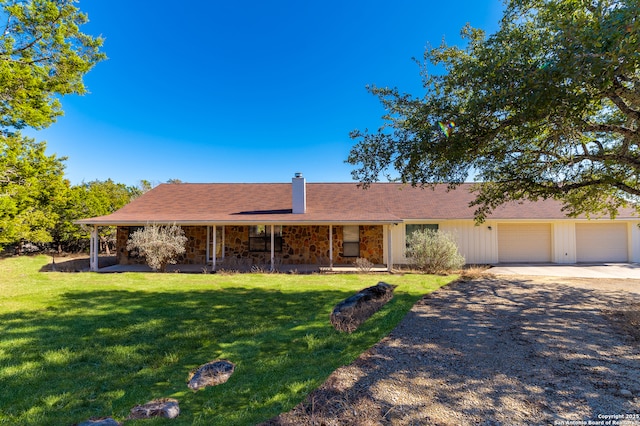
626,188
36,38
616,97
609,128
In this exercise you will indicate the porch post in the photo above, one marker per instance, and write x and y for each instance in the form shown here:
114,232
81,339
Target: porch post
208,250
223,243
215,249
93,249
273,240
389,249
330,247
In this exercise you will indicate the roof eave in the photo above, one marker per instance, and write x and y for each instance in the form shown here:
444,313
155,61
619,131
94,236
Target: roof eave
235,222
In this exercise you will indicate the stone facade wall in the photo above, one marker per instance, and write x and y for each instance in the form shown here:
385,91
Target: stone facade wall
308,244
236,241
236,244
196,253
372,243
122,255
196,246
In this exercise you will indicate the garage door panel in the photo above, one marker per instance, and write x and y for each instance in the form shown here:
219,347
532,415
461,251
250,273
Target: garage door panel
601,242
524,242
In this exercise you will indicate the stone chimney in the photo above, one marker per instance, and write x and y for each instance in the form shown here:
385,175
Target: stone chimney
298,194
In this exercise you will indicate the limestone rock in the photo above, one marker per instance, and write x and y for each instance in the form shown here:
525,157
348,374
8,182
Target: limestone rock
349,314
626,393
165,407
103,421
211,374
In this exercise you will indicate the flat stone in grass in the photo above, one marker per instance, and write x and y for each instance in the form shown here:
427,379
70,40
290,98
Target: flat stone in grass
165,407
102,421
349,314
211,374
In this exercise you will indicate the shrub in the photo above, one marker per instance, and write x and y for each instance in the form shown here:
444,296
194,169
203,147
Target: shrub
434,252
160,245
363,265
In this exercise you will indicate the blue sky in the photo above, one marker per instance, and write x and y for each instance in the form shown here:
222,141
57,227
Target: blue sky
244,91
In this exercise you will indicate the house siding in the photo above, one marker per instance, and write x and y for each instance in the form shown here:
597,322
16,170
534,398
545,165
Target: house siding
634,242
479,243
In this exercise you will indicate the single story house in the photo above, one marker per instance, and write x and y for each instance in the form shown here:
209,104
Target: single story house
336,223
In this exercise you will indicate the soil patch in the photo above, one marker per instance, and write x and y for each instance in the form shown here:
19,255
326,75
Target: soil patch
76,263
494,350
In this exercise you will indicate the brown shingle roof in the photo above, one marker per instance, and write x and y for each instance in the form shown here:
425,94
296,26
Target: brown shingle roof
201,203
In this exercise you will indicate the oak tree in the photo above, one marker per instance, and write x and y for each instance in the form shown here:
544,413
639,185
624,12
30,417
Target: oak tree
546,107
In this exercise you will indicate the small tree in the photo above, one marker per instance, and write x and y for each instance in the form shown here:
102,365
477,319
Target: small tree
434,252
160,245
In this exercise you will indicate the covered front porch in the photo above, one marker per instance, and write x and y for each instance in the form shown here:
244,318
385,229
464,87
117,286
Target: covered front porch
284,269
303,248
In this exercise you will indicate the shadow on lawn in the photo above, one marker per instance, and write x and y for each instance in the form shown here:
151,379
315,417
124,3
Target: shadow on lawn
75,263
488,352
99,353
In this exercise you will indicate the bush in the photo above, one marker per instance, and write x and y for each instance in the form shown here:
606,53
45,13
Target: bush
434,252
363,265
160,245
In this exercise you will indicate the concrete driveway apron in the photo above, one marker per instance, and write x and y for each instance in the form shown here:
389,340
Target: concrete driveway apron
603,270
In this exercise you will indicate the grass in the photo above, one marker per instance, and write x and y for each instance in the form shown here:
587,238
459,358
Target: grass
80,345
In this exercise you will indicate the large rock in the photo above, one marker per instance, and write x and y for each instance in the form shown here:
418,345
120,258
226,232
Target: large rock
102,421
211,374
353,311
165,407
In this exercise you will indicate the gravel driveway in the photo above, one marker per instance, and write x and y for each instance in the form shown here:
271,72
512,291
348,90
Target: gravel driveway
494,351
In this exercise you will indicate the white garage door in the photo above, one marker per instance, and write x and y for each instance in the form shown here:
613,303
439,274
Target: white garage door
524,242
601,242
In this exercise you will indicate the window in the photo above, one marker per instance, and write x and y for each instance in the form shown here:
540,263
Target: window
351,241
260,238
410,228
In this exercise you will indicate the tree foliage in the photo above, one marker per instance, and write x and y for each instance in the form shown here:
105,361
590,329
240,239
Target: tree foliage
32,189
160,245
42,54
434,252
90,199
38,205
547,107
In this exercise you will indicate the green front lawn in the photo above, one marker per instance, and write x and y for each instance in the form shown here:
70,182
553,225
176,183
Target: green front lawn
80,345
